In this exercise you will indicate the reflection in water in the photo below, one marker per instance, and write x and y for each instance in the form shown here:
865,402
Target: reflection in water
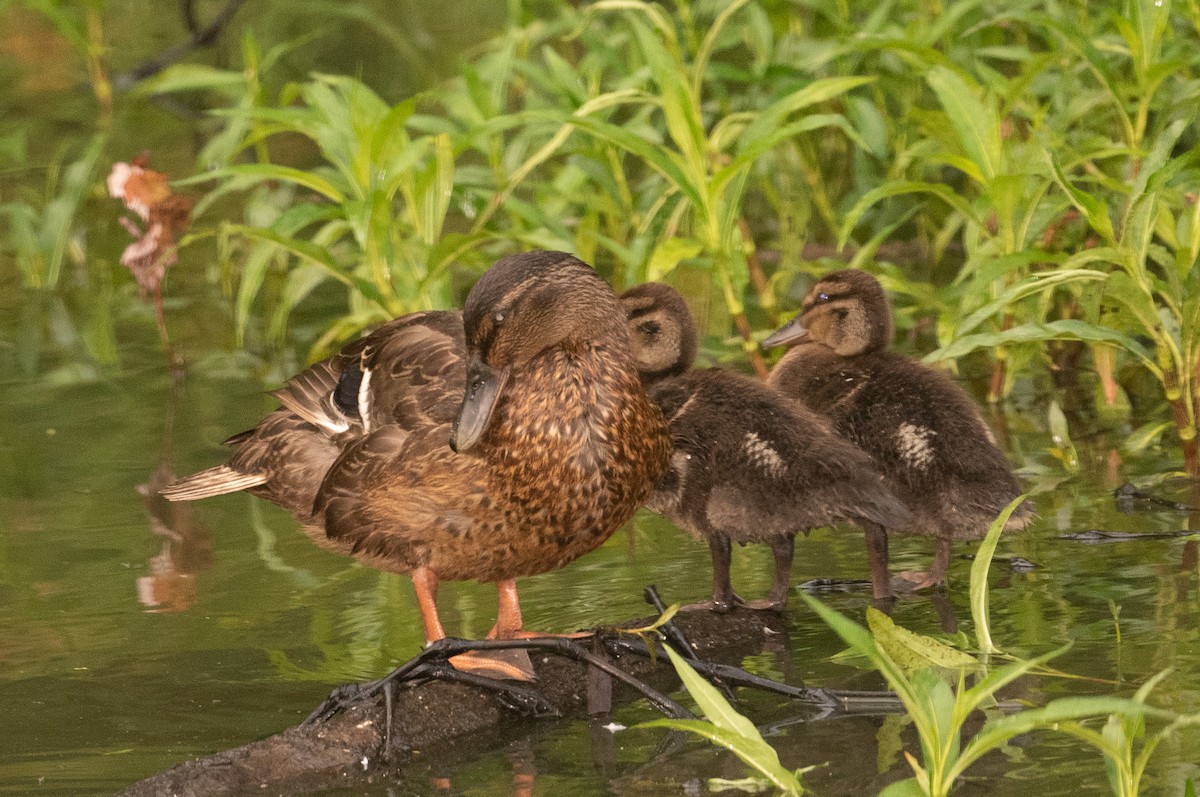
186,548
186,542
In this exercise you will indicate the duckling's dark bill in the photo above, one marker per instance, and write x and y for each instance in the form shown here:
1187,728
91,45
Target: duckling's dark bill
788,333
484,386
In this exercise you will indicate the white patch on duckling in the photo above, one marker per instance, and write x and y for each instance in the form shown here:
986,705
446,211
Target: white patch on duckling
913,443
761,454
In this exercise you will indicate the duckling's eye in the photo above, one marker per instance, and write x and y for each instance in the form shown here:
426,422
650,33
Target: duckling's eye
822,296
649,327
499,317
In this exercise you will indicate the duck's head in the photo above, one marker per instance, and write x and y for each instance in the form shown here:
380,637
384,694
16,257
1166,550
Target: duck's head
522,306
846,311
661,330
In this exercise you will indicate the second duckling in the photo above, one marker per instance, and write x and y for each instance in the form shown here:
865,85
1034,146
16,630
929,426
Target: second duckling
748,465
920,428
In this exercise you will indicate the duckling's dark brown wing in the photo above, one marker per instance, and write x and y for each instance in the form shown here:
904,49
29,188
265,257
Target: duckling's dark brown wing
750,464
921,429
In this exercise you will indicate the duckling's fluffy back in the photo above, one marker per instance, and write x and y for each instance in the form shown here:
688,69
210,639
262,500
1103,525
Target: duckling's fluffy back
920,428
752,465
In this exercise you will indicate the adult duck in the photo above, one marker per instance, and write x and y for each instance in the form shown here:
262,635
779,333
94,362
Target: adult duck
533,442
921,429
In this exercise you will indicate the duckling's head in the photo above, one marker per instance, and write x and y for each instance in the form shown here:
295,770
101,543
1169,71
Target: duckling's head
661,330
522,306
846,311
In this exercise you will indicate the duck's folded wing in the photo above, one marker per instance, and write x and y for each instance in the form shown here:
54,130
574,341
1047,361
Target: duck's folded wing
392,491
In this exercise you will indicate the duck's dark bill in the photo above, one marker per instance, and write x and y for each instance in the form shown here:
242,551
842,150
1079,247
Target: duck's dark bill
484,386
788,333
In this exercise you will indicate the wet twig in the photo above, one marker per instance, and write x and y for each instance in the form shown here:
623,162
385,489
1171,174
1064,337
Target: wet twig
1127,494
201,37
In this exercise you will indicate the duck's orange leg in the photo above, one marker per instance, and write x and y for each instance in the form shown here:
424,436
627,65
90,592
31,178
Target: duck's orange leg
511,664
509,624
425,582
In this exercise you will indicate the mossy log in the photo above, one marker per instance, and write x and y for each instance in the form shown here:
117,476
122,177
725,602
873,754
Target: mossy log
349,744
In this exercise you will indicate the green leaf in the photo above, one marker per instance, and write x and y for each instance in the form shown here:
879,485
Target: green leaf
1145,436
271,171
913,651
976,123
715,707
1093,209
771,118
191,77
1065,329
754,752
1034,284
909,787
668,254
302,249
899,188
861,641
979,583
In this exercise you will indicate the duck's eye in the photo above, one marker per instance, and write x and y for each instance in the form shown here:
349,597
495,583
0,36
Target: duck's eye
822,296
649,327
499,318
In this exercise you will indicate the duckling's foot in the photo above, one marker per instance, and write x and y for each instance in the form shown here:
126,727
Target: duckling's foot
915,580
511,665
716,604
766,605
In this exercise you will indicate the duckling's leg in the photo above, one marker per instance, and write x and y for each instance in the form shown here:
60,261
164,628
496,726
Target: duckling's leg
935,576
723,596
511,664
877,557
784,548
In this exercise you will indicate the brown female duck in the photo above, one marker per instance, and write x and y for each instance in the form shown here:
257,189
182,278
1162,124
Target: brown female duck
921,429
510,453
749,465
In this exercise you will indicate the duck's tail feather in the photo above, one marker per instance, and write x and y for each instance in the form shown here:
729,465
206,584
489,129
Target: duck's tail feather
310,394
213,481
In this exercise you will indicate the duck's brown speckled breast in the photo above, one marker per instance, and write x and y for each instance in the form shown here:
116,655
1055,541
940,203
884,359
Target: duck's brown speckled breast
570,457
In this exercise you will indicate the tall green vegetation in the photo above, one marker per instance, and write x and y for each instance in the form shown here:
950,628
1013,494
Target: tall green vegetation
1023,177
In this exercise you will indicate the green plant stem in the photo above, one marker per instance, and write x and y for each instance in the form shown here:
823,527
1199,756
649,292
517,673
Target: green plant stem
97,65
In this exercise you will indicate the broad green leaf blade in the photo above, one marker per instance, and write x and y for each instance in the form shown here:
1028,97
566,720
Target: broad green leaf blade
976,123
913,651
899,188
861,641
1034,284
1093,209
715,707
271,171
754,752
1065,329
302,249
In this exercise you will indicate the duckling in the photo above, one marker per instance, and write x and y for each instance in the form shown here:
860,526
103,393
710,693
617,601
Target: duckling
749,465
523,445
921,429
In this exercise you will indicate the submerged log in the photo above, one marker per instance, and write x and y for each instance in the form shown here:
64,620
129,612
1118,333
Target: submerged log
431,714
